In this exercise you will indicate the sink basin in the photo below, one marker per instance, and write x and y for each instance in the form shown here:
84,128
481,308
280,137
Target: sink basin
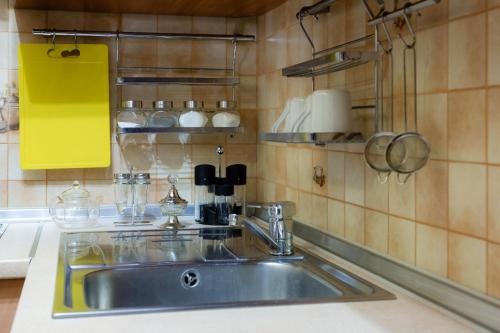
183,286
104,273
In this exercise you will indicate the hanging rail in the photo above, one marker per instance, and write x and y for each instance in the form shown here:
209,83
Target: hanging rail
139,35
402,11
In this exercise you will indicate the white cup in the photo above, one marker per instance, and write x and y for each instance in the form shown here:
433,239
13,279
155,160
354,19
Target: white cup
326,111
294,107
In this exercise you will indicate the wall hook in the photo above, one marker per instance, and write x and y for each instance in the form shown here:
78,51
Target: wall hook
319,176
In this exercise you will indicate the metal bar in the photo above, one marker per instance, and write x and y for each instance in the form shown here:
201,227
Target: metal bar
473,306
354,41
319,7
140,35
173,69
405,10
193,81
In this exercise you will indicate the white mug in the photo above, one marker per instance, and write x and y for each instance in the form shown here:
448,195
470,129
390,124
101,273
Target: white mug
326,111
294,107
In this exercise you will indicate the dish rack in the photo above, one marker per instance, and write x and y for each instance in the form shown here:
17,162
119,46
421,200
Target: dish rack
155,76
339,58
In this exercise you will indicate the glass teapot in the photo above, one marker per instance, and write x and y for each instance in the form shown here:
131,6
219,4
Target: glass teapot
74,208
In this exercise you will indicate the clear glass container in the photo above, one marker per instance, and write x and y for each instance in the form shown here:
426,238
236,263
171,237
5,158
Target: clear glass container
163,115
225,115
141,188
172,206
74,208
237,175
204,179
131,114
193,115
223,202
121,188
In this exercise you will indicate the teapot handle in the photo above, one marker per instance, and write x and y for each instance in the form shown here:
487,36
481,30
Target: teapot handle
56,210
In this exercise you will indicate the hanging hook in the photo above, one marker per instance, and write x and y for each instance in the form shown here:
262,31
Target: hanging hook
75,52
53,48
410,29
307,35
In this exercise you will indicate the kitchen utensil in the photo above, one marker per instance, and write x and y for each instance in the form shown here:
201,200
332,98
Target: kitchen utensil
64,108
172,206
408,152
327,111
294,107
74,208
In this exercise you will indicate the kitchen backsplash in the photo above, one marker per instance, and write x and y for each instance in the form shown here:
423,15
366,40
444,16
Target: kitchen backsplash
446,218
20,188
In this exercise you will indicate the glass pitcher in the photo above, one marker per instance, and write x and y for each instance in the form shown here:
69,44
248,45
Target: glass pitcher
74,208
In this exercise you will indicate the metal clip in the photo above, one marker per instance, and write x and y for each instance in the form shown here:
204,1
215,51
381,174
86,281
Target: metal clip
73,53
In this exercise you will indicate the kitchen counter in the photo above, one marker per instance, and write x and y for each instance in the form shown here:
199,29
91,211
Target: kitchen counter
17,248
406,314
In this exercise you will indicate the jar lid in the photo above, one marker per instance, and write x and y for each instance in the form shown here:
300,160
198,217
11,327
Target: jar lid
121,178
163,104
173,197
224,104
75,192
204,174
192,104
132,104
224,188
237,174
142,178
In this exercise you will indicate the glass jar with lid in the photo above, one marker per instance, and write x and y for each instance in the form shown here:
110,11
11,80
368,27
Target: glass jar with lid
163,115
193,114
131,114
226,115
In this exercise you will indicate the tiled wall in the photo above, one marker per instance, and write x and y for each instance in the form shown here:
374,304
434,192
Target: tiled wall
446,218
38,188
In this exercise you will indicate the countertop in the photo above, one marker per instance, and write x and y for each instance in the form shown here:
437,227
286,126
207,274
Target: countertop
406,314
16,248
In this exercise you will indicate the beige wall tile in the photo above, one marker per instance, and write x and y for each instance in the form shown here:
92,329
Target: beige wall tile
176,159
467,261
376,230
15,171
493,270
494,203
3,161
432,249
65,174
493,3
432,122
304,205
467,125
335,175
376,193
305,169
434,15
354,223
319,212
100,21
23,20
432,59
275,20
467,193
292,167
432,194
402,239
336,217
460,8
467,63
298,48
244,154
494,125
402,197
3,193
65,20
493,47
354,179
26,193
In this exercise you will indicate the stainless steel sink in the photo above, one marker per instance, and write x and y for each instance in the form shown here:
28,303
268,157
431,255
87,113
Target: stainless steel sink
126,272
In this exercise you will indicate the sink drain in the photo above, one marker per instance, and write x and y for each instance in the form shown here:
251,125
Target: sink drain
190,278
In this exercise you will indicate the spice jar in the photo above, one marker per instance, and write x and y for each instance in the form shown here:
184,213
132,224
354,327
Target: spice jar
193,115
121,187
163,115
226,115
131,114
204,180
141,188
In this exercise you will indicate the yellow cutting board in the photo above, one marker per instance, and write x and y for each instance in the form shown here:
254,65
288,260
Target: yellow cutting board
64,107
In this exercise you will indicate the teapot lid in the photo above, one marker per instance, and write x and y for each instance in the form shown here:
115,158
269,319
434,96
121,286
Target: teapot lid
173,197
75,192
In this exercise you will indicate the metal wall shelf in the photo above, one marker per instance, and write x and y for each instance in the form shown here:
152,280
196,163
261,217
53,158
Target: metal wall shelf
191,81
189,130
313,138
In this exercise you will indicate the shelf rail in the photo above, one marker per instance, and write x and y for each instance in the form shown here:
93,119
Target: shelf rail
140,35
407,10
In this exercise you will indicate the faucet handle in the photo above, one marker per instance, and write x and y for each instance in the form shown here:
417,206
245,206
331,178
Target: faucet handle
282,210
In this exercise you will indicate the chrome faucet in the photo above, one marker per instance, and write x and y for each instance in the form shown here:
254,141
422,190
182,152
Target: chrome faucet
279,218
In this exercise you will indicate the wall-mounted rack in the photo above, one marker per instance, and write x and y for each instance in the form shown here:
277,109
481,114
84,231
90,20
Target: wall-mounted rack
187,130
319,139
407,10
190,81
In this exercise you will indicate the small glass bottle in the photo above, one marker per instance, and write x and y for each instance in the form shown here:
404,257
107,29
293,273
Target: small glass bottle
204,180
225,115
237,175
223,201
141,189
193,115
131,114
121,187
163,115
